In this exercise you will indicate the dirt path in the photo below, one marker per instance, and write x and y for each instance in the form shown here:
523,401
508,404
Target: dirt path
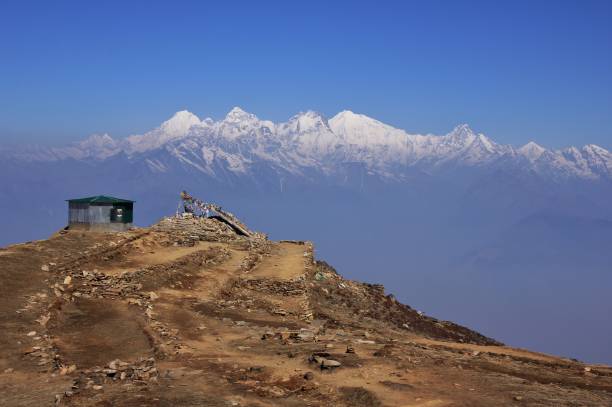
148,257
286,262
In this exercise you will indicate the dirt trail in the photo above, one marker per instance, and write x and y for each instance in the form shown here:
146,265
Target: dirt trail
286,262
148,257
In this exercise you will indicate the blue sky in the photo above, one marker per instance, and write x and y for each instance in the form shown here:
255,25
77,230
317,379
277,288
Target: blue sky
514,70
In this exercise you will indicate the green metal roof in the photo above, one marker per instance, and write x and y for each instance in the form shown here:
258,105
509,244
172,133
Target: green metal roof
101,199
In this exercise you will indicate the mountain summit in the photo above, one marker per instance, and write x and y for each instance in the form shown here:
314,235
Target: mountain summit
193,312
237,115
179,124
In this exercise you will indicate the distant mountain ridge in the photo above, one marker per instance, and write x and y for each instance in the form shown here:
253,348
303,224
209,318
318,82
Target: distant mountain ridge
309,142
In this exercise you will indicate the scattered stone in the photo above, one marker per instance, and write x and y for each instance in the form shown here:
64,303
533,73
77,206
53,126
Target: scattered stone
44,267
308,375
321,359
330,363
67,280
276,391
267,335
305,335
31,333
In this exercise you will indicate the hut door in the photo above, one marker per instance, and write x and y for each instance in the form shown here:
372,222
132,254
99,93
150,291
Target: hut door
117,215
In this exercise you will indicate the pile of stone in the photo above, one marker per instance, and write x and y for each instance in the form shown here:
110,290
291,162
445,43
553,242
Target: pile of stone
301,335
169,337
143,370
93,284
284,288
258,247
45,355
188,229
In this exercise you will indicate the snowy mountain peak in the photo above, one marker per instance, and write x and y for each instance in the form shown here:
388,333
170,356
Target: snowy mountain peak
463,131
532,145
98,140
345,115
99,146
476,148
237,115
532,151
460,138
179,124
360,129
309,121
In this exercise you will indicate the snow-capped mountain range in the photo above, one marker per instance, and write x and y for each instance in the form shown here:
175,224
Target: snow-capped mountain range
309,142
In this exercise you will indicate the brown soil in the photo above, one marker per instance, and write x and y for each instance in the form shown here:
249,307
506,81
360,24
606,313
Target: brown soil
155,318
114,331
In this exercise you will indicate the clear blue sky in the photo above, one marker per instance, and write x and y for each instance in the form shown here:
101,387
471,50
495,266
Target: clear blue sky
515,70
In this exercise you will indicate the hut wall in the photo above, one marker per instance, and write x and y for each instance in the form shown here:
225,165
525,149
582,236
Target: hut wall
78,213
100,214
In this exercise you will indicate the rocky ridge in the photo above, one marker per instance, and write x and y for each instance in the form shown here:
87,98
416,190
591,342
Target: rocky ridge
187,312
